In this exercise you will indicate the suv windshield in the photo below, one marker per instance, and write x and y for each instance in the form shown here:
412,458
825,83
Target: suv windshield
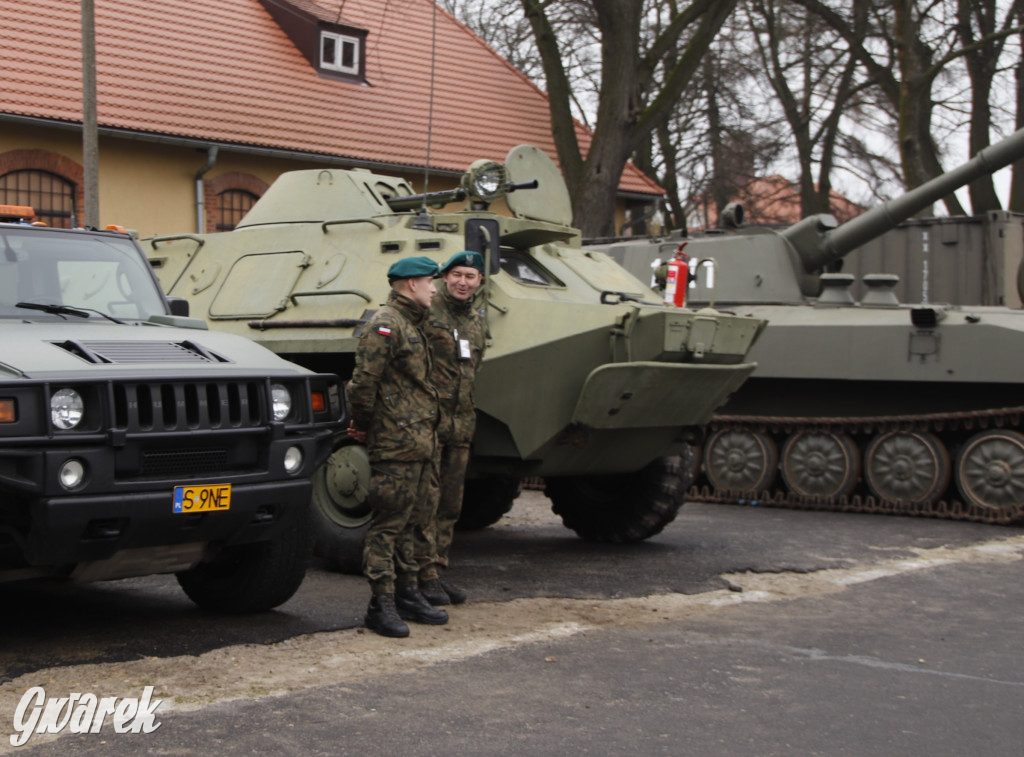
90,272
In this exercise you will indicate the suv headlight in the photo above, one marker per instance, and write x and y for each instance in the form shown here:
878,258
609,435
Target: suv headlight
66,409
280,401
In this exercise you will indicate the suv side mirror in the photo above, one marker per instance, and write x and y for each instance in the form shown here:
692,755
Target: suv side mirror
179,305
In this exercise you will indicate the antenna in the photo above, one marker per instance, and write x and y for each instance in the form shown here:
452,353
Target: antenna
423,221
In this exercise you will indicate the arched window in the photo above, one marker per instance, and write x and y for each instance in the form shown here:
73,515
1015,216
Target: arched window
51,196
234,203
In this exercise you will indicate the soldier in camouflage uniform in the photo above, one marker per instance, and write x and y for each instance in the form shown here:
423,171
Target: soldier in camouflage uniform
455,329
394,410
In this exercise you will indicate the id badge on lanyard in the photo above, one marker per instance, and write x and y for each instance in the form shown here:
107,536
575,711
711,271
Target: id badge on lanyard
464,352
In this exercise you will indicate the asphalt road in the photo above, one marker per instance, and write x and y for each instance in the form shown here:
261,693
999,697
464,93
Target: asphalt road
738,631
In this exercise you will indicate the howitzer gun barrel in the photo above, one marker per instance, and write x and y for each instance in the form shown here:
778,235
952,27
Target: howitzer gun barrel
819,241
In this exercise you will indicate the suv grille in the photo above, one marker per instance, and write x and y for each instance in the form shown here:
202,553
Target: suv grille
184,406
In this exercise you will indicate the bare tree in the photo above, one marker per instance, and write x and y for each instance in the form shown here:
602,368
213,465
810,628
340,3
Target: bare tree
628,108
1017,180
813,76
907,48
705,101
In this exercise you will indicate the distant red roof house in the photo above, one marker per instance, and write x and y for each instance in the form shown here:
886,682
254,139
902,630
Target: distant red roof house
775,201
349,79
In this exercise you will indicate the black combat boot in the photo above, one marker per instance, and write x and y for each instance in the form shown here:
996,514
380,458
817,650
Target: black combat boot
412,606
434,593
382,617
455,594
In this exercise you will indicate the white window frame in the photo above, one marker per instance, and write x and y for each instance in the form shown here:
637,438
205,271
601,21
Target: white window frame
340,41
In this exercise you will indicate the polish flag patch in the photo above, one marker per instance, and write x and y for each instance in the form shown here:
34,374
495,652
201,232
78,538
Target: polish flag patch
384,331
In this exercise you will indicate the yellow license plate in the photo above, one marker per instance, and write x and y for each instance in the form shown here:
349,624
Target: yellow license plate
202,498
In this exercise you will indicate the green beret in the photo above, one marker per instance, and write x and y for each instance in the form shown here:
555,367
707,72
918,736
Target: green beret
467,258
412,268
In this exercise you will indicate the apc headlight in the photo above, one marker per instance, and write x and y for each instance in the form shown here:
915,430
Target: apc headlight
486,180
281,401
66,409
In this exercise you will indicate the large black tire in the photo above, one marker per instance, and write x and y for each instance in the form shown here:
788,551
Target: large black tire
626,507
486,500
341,514
253,577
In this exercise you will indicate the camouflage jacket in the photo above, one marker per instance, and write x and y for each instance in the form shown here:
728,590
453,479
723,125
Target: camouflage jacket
457,340
390,395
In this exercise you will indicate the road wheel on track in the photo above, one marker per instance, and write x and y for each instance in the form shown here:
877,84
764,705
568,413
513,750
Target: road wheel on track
624,507
907,467
990,470
253,577
486,500
341,513
820,464
740,460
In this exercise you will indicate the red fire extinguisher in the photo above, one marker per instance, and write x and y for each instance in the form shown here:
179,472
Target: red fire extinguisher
677,278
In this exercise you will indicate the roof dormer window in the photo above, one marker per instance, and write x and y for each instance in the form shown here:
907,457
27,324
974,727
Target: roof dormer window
334,47
340,52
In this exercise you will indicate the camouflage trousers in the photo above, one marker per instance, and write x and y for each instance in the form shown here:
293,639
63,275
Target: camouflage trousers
403,500
453,464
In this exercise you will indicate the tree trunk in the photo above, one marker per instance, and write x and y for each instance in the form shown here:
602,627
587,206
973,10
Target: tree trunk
981,69
1016,176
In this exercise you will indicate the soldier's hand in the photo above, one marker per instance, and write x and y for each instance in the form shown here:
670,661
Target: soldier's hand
355,433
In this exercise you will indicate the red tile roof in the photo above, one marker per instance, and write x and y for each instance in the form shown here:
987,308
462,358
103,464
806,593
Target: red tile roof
223,70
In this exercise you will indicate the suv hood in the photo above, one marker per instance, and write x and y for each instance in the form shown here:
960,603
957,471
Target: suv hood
37,350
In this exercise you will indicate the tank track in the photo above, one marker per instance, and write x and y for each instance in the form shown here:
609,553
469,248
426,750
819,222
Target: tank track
946,426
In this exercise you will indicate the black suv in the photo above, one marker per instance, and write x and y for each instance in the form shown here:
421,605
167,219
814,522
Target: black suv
134,441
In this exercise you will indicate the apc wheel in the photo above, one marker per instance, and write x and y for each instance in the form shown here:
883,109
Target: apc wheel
820,464
253,577
741,460
341,514
907,467
626,507
990,470
486,500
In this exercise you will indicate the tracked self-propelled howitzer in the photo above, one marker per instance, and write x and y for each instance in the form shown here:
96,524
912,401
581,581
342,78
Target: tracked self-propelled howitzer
589,381
873,405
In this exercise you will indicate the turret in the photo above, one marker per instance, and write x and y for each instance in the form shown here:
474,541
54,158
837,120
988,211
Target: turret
755,265
820,240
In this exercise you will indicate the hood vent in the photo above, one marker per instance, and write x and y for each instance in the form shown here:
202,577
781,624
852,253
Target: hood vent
140,352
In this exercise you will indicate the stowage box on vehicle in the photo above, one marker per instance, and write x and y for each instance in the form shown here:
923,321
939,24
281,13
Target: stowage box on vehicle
134,441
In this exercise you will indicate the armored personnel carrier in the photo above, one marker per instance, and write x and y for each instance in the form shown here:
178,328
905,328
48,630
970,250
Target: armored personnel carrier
873,405
589,381
133,440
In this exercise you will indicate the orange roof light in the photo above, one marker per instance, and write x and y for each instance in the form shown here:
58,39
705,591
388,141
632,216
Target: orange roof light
17,211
